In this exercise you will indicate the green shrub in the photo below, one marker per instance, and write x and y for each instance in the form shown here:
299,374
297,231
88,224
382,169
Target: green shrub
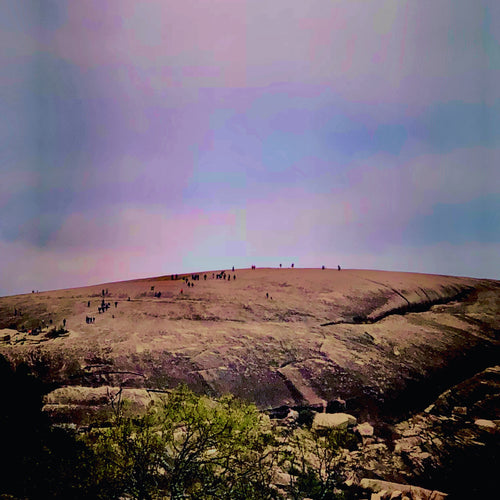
306,417
314,461
185,446
190,447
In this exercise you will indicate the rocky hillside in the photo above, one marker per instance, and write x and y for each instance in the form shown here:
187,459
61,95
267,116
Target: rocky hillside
379,344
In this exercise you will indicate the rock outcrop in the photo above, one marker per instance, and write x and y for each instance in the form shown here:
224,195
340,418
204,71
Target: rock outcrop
382,342
385,490
454,451
367,346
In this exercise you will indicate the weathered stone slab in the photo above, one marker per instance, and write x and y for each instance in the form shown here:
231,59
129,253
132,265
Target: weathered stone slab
325,421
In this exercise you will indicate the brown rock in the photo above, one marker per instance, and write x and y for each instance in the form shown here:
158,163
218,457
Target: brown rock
486,425
407,444
459,410
282,479
377,486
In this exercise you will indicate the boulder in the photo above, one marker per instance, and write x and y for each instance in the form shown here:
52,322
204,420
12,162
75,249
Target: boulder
364,429
6,334
282,479
405,445
486,425
325,421
430,408
459,410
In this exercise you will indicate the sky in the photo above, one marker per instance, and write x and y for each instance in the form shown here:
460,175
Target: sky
147,138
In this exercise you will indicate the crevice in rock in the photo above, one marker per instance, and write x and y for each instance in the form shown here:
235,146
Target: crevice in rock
390,288
411,307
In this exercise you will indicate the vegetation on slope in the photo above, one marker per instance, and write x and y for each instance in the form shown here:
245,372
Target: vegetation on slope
184,446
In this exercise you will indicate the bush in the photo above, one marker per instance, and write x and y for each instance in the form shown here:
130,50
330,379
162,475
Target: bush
185,446
56,332
306,417
191,447
314,462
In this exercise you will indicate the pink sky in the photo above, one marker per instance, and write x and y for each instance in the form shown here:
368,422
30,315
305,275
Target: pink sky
148,138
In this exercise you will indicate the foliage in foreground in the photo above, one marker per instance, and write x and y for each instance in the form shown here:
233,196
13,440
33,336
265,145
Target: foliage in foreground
191,447
314,460
185,446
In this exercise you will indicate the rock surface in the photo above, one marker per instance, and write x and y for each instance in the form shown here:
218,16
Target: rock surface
369,338
386,489
378,345
439,448
364,429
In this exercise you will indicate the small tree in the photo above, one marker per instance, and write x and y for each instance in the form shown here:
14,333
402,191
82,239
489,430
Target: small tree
314,461
191,446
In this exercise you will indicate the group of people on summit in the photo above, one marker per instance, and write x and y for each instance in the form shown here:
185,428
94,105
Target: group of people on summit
222,275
